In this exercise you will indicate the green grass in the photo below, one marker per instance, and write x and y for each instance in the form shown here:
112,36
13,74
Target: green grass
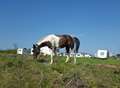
24,72
9,51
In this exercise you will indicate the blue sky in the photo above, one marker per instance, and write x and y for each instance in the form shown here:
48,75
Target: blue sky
95,22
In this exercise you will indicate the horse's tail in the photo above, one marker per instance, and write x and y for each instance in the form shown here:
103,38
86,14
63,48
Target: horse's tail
76,44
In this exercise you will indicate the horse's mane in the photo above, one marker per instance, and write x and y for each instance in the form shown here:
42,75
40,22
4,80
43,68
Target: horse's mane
41,39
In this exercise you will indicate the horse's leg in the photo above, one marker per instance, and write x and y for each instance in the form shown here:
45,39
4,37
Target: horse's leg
74,57
51,59
67,59
38,57
74,51
68,55
55,51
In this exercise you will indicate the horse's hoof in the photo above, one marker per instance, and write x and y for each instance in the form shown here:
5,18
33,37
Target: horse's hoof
66,61
74,62
51,62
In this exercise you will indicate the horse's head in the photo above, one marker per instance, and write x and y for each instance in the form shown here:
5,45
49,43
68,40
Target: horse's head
35,50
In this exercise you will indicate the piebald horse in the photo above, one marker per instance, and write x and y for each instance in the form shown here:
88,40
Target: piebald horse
56,42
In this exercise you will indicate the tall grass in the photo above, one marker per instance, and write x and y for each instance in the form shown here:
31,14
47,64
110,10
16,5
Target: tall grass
24,72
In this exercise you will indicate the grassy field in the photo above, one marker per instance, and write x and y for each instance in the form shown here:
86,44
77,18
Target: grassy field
9,51
23,72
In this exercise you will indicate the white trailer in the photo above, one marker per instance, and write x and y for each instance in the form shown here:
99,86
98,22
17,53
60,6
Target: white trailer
102,53
23,51
20,51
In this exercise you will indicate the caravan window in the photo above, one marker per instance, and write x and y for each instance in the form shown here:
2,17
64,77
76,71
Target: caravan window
102,53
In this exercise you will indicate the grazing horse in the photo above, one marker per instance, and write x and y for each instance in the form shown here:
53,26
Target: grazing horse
55,42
